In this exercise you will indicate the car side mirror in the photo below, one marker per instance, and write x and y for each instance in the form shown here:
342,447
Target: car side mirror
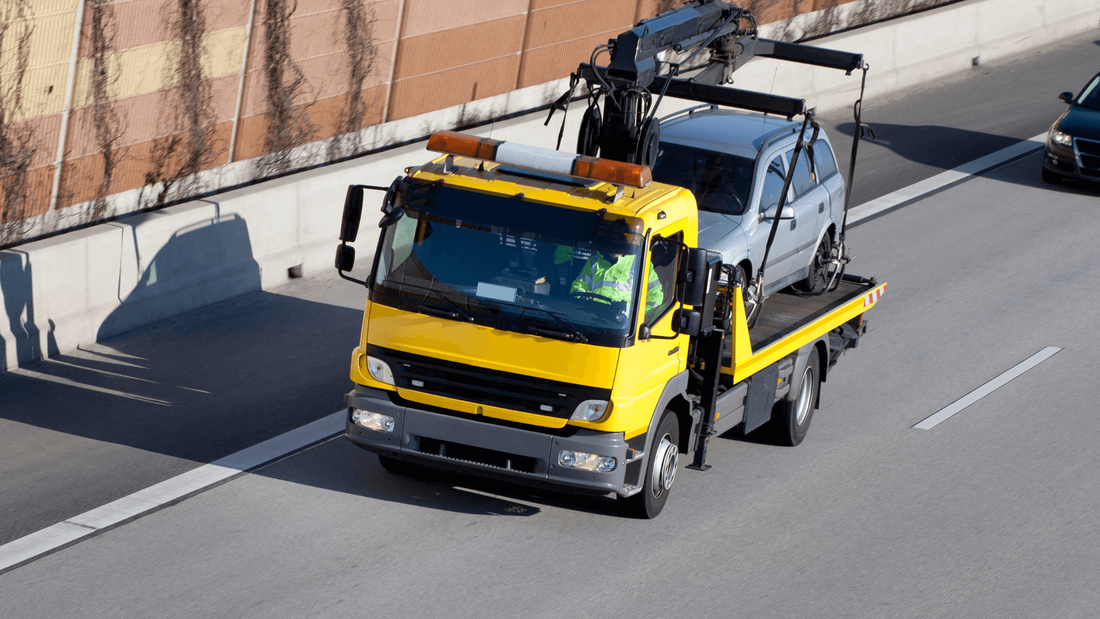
788,213
1066,96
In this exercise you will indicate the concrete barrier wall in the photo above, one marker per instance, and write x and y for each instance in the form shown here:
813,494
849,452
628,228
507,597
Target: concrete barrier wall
84,286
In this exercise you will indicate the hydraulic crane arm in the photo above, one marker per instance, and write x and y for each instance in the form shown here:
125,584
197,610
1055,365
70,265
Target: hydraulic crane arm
711,37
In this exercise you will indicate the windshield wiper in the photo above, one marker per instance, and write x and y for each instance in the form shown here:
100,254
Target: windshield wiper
570,334
433,310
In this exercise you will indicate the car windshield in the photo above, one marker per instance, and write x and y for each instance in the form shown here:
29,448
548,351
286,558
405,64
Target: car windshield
510,263
1090,96
719,181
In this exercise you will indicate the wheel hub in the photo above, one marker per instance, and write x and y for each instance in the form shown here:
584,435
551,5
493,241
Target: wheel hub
664,466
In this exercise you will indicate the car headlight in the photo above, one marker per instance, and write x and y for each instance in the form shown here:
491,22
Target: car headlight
591,410
379,370
1061,139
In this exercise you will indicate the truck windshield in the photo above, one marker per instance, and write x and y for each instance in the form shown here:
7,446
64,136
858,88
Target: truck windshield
510,263
719,181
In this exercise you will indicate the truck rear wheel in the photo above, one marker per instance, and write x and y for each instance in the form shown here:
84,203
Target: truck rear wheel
791,417
660,472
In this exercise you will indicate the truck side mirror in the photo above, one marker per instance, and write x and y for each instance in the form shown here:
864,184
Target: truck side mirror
353,212
693,277
687,322
345,257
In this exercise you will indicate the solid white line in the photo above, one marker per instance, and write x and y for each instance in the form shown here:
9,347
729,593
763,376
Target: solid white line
142,501
987,388
916,190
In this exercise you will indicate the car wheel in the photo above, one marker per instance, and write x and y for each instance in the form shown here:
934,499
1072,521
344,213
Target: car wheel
791,416
819,269
751,297
660,472
1052,177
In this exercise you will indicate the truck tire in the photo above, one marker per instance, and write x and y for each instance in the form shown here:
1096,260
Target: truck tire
660,471
791,417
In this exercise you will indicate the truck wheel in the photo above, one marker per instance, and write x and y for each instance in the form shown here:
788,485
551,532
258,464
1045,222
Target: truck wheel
791,418
660,472
819,269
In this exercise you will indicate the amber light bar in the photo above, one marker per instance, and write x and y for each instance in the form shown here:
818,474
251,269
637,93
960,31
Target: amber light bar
454,143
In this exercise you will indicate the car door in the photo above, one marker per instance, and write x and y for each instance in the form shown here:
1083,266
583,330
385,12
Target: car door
825,167
810,200
785,245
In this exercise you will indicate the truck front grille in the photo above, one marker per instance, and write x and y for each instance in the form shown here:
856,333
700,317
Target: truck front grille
478,455
473,384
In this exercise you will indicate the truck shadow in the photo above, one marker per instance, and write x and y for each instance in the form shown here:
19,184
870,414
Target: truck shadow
339,466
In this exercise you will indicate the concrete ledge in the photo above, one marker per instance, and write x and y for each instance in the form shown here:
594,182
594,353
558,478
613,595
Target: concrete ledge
74,289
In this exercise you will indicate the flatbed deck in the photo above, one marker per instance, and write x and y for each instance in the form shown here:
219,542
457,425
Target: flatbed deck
784,312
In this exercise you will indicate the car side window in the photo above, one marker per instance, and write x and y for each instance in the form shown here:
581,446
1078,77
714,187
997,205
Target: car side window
773,184
803,179
824,160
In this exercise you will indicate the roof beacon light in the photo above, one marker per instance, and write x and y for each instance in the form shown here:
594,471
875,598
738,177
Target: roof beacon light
455,143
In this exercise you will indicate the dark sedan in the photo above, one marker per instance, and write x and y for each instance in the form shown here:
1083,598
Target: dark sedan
1073,143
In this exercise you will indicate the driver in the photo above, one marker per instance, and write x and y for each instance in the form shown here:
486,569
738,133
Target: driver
613,277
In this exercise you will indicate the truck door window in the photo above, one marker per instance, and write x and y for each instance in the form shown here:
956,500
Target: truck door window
664,257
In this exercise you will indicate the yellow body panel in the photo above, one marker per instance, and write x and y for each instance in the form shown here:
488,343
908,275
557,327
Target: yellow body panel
745,365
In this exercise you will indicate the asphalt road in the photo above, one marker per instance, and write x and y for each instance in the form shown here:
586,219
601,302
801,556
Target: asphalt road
991,513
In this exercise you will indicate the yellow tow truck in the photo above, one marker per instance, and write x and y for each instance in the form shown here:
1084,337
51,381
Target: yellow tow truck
487,348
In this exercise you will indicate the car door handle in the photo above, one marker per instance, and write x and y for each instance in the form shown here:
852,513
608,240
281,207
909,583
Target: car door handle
821,208
794,224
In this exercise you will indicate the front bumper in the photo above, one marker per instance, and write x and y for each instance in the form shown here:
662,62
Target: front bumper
478,446
1073,162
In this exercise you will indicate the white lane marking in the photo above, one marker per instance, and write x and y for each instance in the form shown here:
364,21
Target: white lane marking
987,388
928,185
51,538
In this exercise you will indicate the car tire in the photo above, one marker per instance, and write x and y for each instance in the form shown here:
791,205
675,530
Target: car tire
791,416
660,472
752,305
819,269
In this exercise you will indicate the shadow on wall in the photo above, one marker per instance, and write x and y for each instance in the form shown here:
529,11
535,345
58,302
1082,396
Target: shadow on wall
202,264
17,290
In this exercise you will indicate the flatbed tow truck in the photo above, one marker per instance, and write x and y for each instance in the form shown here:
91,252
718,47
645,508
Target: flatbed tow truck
480,353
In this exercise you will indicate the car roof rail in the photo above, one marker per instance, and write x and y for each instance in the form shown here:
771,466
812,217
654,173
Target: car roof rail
689,111
776,135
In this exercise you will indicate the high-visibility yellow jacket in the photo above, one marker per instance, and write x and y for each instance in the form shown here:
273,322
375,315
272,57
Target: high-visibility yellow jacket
615,280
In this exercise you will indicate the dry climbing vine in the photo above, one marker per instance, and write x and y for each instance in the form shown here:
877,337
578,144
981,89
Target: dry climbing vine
16,140
288,126
361,52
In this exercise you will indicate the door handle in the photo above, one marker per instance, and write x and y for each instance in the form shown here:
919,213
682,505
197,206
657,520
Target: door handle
794,224
821,208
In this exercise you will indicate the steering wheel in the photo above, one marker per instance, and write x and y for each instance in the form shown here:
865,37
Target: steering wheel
592,296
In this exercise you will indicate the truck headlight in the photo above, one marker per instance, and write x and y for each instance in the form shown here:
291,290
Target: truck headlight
372,421
1061,139
591,410
586,461
379,370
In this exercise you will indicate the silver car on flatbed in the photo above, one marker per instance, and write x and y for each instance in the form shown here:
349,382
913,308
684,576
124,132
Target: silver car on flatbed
735,164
